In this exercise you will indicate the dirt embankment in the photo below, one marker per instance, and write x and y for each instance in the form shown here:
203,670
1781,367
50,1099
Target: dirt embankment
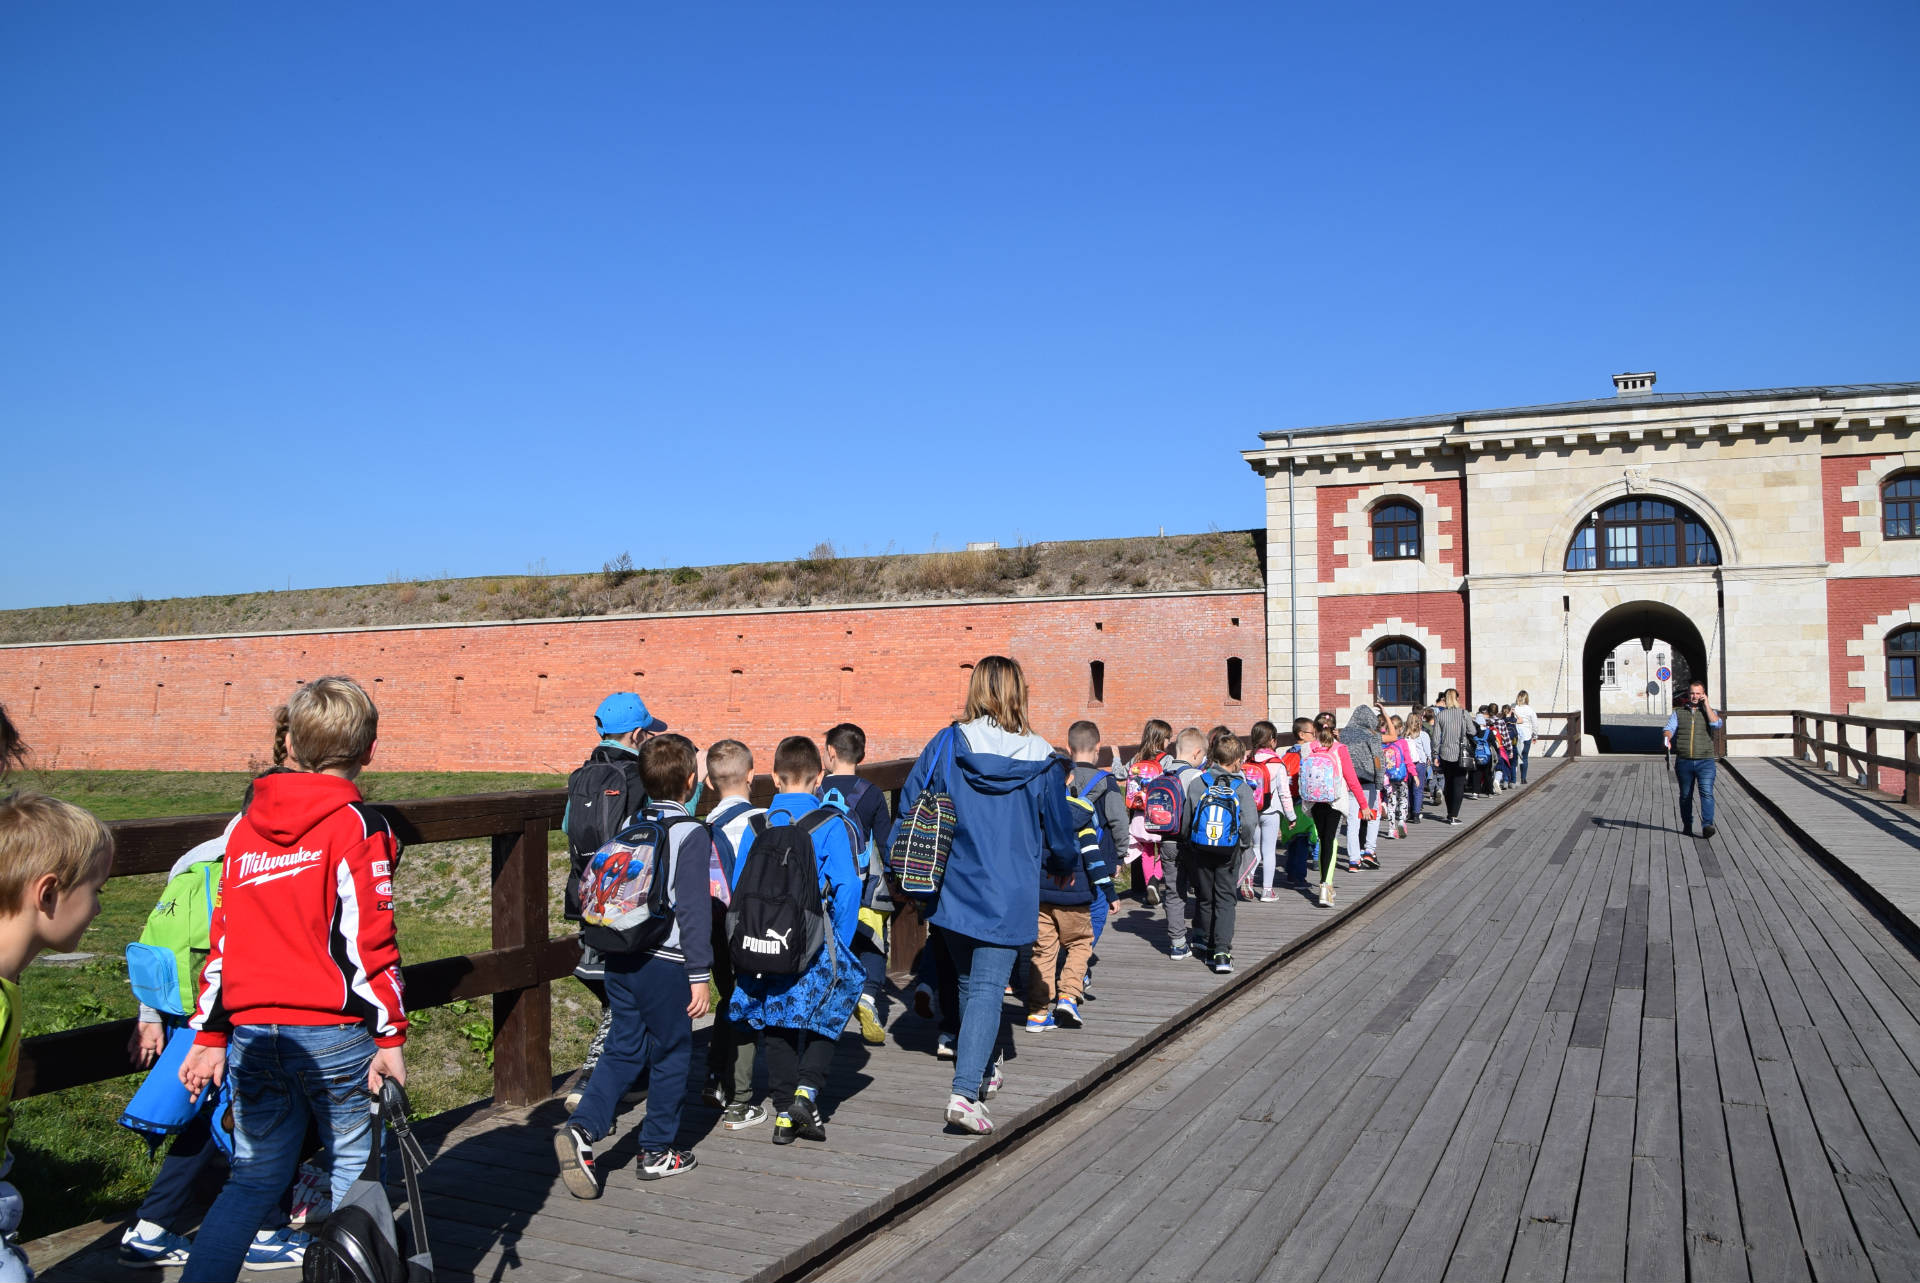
1217,559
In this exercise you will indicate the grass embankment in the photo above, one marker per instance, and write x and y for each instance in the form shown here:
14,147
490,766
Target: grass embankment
73,1162
1216,559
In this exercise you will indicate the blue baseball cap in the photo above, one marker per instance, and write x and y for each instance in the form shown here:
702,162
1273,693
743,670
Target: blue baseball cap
625,712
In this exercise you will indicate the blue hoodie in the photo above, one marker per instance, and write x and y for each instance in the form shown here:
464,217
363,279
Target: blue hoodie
1012,823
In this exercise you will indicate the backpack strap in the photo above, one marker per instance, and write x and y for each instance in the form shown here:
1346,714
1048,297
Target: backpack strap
1093,782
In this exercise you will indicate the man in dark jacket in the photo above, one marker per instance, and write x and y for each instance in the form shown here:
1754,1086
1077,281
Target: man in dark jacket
1362,738
1689,733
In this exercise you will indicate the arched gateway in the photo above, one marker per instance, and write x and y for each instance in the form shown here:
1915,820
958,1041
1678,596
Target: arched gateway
1651,624
1765,537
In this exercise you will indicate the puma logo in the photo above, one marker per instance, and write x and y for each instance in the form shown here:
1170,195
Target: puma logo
776,942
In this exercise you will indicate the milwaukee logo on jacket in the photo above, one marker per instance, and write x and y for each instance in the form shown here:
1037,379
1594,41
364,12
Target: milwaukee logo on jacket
303,933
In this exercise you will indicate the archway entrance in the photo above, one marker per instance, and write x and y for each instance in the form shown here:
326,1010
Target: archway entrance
1625,701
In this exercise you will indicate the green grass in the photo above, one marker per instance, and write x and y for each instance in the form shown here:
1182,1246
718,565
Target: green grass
74,1163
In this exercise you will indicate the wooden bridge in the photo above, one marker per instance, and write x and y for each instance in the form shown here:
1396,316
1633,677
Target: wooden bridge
1563,1042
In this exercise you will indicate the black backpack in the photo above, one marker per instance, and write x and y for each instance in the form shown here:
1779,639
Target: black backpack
603,794
359,1242
777,922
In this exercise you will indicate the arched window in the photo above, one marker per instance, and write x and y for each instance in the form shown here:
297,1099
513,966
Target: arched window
1399,671
1637,533
1900,507
1903,655
1396,531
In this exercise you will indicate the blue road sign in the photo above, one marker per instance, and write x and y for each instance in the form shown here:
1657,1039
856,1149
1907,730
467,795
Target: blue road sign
1665,674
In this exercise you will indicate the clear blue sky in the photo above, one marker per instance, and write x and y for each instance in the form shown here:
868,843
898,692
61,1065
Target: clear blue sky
320,293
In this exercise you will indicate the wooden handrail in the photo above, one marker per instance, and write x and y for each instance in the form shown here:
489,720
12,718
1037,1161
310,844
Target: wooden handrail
516,972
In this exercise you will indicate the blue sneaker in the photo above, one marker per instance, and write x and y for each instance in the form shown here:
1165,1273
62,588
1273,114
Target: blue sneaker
146,1244
277,1250
1040,1022
1179,952
1066,1014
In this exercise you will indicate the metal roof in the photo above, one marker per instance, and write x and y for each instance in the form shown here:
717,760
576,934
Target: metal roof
1828,392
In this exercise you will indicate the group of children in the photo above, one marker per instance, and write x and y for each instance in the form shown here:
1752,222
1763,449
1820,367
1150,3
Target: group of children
777,917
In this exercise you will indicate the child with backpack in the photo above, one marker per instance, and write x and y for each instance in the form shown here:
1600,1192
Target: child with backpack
54,858
1397,755
1301,837
1413,734
796,906
1148,761
1362,738
1163,804
164,968
731,1047
845,747
1272,787
603,794
301,990
1063,950
1106,793
646,907
1329,786
1220,825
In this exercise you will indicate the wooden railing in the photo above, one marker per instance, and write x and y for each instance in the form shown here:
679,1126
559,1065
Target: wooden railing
1810,744
1568,738
516,972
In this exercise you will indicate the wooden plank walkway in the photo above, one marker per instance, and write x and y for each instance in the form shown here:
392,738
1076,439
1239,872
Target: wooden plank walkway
1580,1046
1873,839
751,1210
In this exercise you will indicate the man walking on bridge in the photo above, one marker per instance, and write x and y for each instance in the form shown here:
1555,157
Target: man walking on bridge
1689,733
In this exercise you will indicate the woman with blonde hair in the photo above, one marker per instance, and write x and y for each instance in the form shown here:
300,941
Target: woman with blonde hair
1453,749
1012,825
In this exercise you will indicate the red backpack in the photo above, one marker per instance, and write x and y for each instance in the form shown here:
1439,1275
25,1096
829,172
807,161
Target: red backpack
1137,776
1259,773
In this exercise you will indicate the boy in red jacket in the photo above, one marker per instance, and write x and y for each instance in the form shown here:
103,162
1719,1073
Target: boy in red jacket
300,997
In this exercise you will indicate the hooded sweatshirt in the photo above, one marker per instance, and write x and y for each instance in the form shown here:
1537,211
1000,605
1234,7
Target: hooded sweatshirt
303,933
1362,738
1012,822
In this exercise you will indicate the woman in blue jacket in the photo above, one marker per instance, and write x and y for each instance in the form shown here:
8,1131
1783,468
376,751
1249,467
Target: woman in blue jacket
1012,823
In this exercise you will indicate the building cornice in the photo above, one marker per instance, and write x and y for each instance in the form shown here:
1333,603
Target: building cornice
1628,424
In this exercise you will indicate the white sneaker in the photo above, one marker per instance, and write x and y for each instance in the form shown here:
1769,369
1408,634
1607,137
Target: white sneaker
944,1050
968,1115
995,1081
147,1244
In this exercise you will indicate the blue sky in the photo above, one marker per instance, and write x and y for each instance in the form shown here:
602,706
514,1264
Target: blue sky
318,294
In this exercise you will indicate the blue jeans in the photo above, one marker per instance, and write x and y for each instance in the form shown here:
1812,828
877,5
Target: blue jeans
651,1030
1690,771
1526,747
1299,855
283,1075
982,971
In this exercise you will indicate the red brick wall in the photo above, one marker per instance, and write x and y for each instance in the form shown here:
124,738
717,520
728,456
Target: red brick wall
1343,619
1852,604
1330,500
1836,473
521,696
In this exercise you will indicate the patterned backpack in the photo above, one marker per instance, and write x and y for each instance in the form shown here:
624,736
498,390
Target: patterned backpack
1216,820
1320,775
924,837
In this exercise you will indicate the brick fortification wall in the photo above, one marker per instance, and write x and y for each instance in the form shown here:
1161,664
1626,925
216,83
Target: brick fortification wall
521,696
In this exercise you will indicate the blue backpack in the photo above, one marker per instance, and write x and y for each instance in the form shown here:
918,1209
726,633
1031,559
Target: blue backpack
1483,748
1109,845
1216,820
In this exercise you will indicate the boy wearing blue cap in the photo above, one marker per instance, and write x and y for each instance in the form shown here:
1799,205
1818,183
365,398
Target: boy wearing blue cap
603,796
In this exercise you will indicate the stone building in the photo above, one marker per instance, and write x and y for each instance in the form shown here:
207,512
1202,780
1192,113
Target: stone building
1768,540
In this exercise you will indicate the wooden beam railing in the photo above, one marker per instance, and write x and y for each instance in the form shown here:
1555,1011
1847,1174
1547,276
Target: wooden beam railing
1568,738
516,972
1862,761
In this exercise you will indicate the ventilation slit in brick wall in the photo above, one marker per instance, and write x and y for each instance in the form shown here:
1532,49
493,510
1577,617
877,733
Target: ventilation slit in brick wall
1097,681
33,702
157,688
846,687
458,683
93,700
226,690
540,693
1233,679
733,689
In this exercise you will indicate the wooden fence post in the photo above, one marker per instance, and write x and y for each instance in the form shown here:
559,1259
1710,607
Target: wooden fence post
1573,733
1910,794
1799,737
522,1018
1820,741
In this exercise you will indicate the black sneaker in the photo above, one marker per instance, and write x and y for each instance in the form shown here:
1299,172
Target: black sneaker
1707,830
784,1132
1222,964
577,1171
658,1164
806,1119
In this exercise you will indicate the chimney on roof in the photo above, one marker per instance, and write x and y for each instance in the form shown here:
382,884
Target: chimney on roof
1634,384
